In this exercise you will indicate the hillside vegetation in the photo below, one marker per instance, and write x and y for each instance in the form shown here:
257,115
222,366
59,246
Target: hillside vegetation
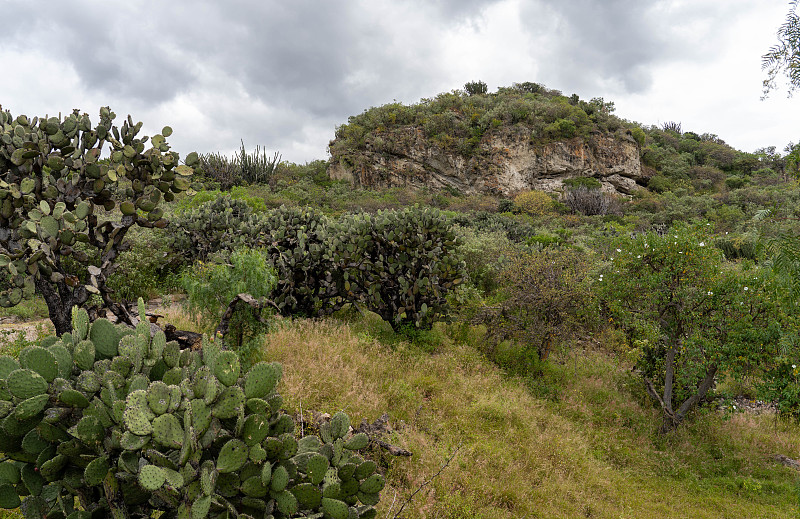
550,354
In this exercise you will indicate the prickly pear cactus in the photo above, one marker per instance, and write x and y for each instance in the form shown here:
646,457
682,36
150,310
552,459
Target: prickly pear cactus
53,177
400,264
225,223
131,430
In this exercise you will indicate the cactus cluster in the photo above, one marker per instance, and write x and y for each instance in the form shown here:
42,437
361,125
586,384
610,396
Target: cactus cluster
223,223
52,178
108,421
399,264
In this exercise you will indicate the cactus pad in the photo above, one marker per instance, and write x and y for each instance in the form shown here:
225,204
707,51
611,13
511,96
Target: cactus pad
80,323
335,509
7,365
253,487
84,354
158,397
151,477
105,337
229,403
232,456
340,424
317,467
373,484
39,360
308,495
9,498
200,507
280,478
357,442
96,471
31,407
26,383
89,430
167,431
261,379
63,359
255,429
227,367
286,502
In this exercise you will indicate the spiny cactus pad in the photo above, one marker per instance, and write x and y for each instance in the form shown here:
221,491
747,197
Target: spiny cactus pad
26,383
105,337
152,477
39,360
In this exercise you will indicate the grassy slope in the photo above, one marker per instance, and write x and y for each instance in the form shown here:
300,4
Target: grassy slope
590,451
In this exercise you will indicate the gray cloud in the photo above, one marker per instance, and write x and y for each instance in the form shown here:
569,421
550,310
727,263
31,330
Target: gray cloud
284,74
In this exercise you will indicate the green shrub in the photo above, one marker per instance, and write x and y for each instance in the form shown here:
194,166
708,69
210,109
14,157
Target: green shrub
211,286
111,422
546,294
400,264
534,203
736,182
298,247
587,182
484,254
561,129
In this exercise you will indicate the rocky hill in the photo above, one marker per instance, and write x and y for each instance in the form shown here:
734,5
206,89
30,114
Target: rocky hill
523,137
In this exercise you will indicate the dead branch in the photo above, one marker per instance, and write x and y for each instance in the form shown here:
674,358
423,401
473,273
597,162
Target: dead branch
444,466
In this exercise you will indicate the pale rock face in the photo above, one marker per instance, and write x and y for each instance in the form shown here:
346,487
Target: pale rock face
505,163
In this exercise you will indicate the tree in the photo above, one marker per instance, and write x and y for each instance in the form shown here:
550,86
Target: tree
58,236
476,87
784,57
692,317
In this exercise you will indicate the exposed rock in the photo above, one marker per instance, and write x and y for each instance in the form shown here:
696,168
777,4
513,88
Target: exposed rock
506,161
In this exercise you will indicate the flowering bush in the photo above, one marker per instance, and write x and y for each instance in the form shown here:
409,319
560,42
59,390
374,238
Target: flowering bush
695,316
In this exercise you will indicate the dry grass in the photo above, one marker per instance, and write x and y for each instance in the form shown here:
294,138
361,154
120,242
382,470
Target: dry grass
586,446
521,456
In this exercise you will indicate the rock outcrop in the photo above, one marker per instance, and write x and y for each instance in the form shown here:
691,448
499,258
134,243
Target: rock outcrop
505,162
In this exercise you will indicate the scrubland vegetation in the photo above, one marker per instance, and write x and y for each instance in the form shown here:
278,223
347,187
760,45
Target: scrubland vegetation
573,354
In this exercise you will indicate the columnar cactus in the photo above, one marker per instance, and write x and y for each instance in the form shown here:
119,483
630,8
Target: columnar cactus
53,180
147,427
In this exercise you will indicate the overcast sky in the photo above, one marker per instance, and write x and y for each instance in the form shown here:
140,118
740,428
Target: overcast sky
283,74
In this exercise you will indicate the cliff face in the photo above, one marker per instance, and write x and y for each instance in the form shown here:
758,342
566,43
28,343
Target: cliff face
505,162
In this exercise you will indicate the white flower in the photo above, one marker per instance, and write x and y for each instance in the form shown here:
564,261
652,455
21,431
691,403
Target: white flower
794,366
746,289
645,245
734,407
619,250
710,293
702,244
639,256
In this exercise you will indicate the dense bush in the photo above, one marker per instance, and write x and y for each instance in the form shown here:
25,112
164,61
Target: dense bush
545,295
111,422
534,203
586,200
224,223
400,264
297,245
